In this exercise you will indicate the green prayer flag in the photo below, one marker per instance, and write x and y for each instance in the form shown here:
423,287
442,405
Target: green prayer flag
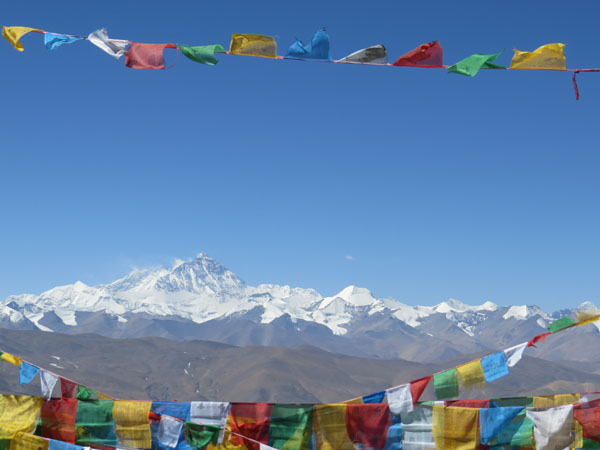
511,401
290,426
446,384
4,443
200,436
518,433
84,393
204,54
560,324
94,423
471,65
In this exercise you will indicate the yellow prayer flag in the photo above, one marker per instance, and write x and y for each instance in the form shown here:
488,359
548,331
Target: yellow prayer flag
556,400
14,34
455,428
354,401
14,360
330,427
26,441
18,413
549,56
471,373
253,44
102,396
577,435
585,317
132,423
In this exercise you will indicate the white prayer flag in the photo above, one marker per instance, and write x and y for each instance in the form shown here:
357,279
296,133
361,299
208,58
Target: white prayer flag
400,399
372,55
210,413
114,47
169,431
514,354
47,381
552,427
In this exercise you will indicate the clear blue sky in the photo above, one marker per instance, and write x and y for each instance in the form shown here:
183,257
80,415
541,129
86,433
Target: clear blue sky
436,185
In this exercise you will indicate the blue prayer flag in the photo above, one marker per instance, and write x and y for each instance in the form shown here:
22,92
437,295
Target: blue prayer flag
494,366
181,410
27,372
59,445
53,41
492,420
317,49
377,397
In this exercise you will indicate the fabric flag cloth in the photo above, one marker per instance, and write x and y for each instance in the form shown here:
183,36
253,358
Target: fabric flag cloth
492,420
581,320
68,388
114,47
250,420
59,417
518,432
18,413
210,413
549,56
400,399
552,427
291,426
58,445
417,429
132,424
95,424
471,65
317,49
445,384
494,366
169,431
539,338
253,45
52,40
27,373
47,382
376,54
26,441
514,354
367,425
84,393
589,419
556,400
146,56
430,54
179,410
475,403
417,387
376,397
471,373
455,428
200,436
330,427
560,324
14,35
204,54
12,359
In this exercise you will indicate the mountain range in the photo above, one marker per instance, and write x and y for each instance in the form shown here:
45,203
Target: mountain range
202,299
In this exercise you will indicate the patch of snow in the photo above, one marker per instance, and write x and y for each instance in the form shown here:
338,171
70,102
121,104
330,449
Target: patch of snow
55,357
56,365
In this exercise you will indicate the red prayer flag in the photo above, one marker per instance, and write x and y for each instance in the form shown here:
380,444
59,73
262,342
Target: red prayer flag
68,389
251,420
58,419
418,386
539,338
483,403
589,418
426,55
367,424
146,56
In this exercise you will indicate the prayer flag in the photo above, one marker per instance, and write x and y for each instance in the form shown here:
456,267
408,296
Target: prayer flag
26,441
455,428
317,49
52,41
169,431
253,45
47,382
376,54
94,423
589,319
200,436
330,427
514,354
493,420
12,359
518,433
204,54
394,435
210,413
589,419
68,388
445,384
549,56
114,47
58,445
84,393
555,400
367,425
400,399
18,413
475,403
539,338
27,373
417,429
552,427
250,420
179,410
560,324
471,373
132,424
417,387
58,419
470,66
291,426
430,54
14,35
376,397
146,56
494,366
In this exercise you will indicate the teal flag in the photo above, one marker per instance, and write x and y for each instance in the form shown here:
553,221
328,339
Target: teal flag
84,393
471,65
200,436
204,54
445,384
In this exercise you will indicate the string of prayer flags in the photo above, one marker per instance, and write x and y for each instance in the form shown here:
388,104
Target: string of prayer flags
561,324
200,436
471,65
552,427
169,431
204,54
430,54
52,40
471,373
132,425
455,428
494,366
549,56
402,398
376,54
445,384
210,413
47,382
253,45
11,359
589,419
27,373
584,319
18,413
539,338
318,48
14,35
114,47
